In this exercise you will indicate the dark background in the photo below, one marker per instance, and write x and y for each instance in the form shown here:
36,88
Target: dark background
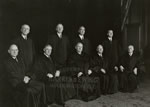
43,15
96,15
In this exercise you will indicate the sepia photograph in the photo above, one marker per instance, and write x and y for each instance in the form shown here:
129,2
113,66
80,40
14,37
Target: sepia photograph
74,53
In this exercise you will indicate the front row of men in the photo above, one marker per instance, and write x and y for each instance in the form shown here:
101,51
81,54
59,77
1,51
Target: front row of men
83,77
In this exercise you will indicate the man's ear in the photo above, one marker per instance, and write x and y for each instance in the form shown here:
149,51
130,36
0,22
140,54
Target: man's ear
8,51
75,47
44,49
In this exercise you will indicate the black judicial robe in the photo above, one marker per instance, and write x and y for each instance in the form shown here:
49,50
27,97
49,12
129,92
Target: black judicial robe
60,49
86,86
86,44
78,63
128,80
26,50
44,65
56,88
31,94
96,64
112,54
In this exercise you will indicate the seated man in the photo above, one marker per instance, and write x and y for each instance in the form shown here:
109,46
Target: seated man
99,67
46,72
26,91
79,70
130,66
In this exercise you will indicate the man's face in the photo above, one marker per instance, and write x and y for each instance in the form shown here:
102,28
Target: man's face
13,51
48,50
130,49
59,28
100,49
110,33
25,29
82,30
79,47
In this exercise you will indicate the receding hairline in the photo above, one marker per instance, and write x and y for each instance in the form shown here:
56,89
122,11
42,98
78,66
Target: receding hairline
131,46
79,43
12,45
48,45
59,25
81,27
99,45
25,25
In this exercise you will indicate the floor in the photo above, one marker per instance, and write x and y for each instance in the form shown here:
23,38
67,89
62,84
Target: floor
140,98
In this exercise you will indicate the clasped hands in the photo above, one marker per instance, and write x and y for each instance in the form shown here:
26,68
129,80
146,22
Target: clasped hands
90,72
134,70
26,79
57,74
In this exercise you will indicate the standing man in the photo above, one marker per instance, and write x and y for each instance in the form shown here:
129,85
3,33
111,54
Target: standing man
111,53
60,44
26,46
84,40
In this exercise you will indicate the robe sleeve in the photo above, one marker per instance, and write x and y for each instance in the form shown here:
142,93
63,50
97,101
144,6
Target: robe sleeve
13,77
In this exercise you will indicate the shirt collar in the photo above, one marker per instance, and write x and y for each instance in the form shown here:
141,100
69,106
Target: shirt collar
47,55
130,54
14,57
100,55
59,35
81,36
24,37
110,39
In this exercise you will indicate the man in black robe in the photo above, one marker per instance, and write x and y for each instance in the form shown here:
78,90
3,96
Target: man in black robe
26,92
79,70
26,46
99,66
130,67
60,44
46,72
83,39
111,53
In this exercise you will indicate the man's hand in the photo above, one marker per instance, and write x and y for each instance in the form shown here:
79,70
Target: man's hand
79,74
89,72
26,79
121,68
116,68
57,74
50,75
135,71
103,71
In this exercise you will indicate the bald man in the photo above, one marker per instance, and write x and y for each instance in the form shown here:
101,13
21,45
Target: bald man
130,66
27,92
99,66
79,69
78,60
26,46
60,44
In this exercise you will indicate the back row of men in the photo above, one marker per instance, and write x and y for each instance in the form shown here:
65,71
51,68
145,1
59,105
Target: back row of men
105,72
